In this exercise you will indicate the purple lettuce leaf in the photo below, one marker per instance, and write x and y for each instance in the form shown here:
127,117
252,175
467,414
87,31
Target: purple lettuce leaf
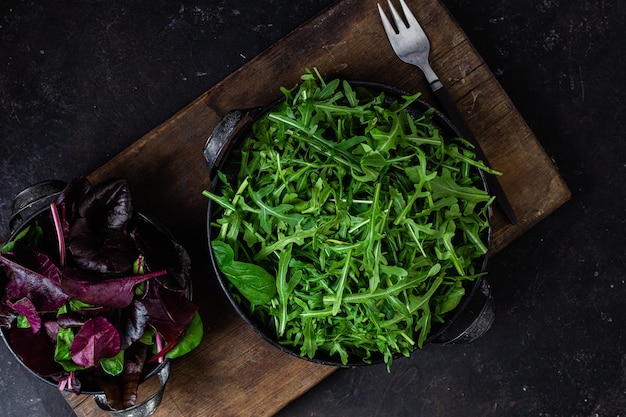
42,288
35,350
161,252
94,221
52,329
27,308
169,311
104,251
121,390
89,287
132,323
97,339
107,205
71,319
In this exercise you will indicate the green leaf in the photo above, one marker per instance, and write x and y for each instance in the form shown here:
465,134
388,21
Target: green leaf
281,213
224,254
253,282
62,353
298,237
451,300
446,186
147,338
31,233
372,164
22,322
76,305
342,283
113,366
190,339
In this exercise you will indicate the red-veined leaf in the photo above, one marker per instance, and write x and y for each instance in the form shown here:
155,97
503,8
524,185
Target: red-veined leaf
27,308
97,339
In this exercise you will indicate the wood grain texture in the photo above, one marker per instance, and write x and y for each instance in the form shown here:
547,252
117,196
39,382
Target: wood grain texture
234,372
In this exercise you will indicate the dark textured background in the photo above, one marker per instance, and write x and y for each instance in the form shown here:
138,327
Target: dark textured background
82,80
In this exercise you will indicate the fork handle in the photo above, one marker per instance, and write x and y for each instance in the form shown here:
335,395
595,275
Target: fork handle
452,111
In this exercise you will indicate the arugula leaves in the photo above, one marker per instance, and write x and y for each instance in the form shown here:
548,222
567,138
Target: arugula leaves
351,222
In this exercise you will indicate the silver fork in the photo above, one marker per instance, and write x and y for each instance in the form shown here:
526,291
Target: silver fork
410,42
411,45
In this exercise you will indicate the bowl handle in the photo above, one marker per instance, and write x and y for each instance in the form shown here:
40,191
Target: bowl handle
144,409
31,200
219,141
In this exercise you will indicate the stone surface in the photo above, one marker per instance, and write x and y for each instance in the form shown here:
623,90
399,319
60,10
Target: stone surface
80,81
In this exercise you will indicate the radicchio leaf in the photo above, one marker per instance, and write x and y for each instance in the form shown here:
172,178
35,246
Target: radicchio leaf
35,350
43,290
97,339
112,292
169,311
27,308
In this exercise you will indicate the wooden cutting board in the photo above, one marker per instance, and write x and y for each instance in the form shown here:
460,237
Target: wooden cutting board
234,372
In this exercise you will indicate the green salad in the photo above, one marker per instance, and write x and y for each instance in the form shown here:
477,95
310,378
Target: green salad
351,224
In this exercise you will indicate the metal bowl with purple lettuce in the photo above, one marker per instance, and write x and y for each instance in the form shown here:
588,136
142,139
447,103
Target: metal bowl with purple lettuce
96,296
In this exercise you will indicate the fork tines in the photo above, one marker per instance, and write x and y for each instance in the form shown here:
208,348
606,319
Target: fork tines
408,21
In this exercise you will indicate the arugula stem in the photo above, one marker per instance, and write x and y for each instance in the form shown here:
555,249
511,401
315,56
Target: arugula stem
447,242
225,204
414,233
282,289
341,284
482,248
378,294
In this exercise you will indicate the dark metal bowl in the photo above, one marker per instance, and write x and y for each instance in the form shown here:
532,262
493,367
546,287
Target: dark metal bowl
470,320
34,202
